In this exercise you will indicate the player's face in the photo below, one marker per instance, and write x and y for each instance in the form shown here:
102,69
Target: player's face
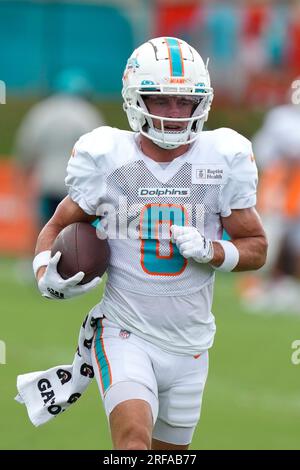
170,106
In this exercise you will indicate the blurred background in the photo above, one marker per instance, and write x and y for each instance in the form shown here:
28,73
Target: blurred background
61,64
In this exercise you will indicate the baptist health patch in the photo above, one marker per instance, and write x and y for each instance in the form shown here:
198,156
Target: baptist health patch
209,174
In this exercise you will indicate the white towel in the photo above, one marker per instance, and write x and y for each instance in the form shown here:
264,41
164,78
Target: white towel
47,394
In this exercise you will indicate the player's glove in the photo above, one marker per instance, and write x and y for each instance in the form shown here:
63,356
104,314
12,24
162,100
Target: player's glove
53,286
191,244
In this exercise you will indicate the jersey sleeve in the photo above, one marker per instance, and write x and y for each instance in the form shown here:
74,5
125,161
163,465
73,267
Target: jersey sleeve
240,190
86,175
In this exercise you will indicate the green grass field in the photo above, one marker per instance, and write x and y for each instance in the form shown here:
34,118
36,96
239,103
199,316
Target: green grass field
252,398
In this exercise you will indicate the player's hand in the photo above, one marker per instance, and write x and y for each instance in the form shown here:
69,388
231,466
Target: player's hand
53,286
191,244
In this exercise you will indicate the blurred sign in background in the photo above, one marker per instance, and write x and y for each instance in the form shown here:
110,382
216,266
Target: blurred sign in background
248,42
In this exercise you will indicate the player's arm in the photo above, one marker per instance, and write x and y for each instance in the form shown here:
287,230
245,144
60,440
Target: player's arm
85,180
247,249
67,212
247,235
50,283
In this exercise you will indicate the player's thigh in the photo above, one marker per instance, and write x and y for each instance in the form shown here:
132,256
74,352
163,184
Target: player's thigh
180,403
123,369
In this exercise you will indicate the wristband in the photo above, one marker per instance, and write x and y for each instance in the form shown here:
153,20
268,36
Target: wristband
41,259
231,256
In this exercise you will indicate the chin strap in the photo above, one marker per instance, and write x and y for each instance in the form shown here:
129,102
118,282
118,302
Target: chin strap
158,137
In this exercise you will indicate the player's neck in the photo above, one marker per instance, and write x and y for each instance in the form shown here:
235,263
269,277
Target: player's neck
159,154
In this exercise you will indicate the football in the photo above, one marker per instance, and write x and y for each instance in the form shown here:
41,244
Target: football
81,250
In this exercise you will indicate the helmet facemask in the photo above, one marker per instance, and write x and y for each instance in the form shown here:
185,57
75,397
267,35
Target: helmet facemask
137,111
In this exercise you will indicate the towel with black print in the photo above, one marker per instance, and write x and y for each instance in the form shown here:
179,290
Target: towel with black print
46,394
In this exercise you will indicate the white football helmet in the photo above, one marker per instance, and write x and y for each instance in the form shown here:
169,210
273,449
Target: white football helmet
167,66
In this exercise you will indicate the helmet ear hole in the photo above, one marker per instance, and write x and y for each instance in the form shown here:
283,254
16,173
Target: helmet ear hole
132,118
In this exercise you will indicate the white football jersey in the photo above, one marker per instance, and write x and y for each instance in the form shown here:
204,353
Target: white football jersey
47,134
152,290
279,137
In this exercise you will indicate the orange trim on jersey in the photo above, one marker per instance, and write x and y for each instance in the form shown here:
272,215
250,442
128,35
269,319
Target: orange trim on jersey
153,273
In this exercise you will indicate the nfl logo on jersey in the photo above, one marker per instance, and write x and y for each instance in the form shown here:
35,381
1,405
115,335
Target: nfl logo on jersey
200,174
124,334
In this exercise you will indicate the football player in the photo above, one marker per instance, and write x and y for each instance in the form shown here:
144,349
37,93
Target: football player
150,350
277,149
